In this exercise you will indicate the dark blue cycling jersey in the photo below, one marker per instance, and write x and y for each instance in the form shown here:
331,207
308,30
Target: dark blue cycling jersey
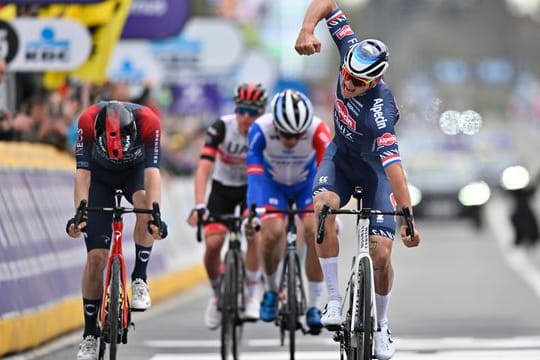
364,125
364,143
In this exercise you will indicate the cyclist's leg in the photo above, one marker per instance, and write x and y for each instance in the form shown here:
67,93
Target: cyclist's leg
382,232
332,188
97,239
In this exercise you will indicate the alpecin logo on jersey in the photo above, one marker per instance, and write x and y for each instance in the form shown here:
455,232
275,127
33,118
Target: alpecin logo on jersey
386,139
343,114
344,31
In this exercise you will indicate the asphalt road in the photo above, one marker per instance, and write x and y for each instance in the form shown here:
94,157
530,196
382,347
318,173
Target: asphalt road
454,297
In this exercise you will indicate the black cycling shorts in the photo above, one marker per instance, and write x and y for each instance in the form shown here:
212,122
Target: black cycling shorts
103,185
223,199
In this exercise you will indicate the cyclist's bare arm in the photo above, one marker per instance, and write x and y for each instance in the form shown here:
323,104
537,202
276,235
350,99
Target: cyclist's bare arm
306,42
398,182
205,167
81,189
152,186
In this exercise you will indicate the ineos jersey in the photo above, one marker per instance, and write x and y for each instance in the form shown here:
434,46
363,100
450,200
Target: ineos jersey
146,147
269,157
364,124
228,148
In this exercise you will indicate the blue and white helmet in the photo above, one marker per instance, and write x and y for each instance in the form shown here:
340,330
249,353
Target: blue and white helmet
293,112
367,60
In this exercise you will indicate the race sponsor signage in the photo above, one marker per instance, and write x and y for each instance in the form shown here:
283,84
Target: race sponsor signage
49,44
152,19
9,41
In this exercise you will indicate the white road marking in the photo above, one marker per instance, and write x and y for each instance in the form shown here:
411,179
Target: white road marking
332,355
517,259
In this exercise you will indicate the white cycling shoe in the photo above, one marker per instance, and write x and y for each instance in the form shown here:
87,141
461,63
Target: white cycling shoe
251,312
332,314
140,299
88,348
212,317
384,344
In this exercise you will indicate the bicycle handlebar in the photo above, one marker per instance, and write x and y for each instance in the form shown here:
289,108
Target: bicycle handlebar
405,212
232,220
118,210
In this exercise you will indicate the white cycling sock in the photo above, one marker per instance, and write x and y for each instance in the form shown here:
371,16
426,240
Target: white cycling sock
382,302
272,281
253,282
315,290
214,283
330,270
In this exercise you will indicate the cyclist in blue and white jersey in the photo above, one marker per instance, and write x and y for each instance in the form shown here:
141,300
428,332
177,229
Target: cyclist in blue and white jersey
285,148
364,152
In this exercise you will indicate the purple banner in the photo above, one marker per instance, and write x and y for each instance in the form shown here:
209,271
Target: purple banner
39,263
152,19
48,2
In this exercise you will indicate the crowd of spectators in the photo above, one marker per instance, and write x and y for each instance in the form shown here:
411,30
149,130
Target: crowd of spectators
50,117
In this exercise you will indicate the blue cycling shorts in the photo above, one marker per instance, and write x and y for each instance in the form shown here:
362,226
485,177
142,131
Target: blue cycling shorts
340,173
272,195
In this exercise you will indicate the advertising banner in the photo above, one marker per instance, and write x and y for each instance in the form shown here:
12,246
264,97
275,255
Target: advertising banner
47,2
49,44
150,19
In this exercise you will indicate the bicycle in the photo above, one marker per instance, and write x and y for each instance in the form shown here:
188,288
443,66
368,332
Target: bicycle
293,304
232,297
355,334
115,300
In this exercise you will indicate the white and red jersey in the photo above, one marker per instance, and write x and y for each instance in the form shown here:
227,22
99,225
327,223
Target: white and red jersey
269,157
228,148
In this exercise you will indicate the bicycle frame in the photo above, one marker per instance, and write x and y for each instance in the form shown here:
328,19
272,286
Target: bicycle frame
232,288
349,333
116,253
290,279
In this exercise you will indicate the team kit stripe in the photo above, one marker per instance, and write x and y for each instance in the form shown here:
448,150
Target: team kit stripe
390,159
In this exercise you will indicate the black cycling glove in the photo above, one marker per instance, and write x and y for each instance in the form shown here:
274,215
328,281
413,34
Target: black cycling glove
163,230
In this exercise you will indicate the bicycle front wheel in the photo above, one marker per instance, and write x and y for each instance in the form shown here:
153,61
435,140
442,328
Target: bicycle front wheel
292,302
363,329
114,308
229,308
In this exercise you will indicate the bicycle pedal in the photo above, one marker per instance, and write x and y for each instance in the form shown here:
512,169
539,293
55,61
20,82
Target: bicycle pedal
333,327
314,331
137,310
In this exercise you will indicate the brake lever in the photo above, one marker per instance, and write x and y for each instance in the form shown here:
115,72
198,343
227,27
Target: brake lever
320,225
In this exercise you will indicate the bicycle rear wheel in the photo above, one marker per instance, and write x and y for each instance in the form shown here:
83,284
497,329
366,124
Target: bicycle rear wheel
292,302
363,329
114,308
229,300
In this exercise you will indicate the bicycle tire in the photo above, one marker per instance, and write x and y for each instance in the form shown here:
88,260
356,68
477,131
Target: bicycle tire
114,308
363,329
350,351
229,306
292,302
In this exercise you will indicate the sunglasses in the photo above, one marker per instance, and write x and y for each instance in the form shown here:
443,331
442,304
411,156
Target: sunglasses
290,136
249,110
346,75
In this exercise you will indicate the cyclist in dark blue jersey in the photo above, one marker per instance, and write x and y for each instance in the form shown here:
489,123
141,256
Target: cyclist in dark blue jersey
364,152
118,147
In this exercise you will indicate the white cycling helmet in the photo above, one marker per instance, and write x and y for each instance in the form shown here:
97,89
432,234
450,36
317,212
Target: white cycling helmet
293,112
367,60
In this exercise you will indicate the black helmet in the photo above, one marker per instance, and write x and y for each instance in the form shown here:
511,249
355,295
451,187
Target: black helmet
115,129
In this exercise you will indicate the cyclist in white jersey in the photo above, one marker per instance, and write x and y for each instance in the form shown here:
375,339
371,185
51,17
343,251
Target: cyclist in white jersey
285,148
223,157
364,152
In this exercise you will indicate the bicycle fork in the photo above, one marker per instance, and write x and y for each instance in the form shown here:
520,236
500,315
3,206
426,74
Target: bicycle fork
116,252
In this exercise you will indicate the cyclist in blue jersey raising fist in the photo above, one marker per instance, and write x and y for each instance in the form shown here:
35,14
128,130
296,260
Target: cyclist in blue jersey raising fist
364,152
